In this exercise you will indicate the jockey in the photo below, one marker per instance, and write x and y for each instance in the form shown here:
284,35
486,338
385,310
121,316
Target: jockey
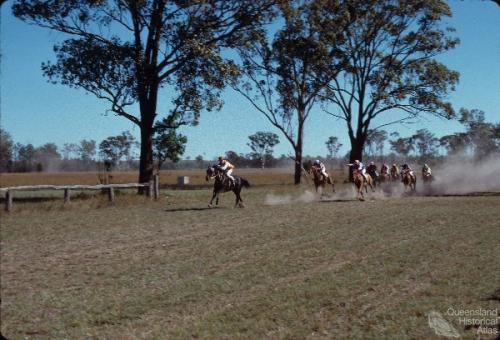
405,168
394,170
384,169
360,167
372,169
426,170
319,165
227,168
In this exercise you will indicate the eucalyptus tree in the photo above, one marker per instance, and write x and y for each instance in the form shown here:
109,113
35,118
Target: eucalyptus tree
262,144
333,146
125,51
285,74
168,144
392,72
6,151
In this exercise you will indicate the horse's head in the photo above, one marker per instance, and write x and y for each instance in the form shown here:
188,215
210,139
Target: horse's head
212,171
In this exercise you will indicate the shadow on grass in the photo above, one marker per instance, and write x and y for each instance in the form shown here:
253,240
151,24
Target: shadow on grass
190,209
330,200
33,199
40,199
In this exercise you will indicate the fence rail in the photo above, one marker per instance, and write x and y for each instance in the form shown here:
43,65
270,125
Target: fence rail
152,190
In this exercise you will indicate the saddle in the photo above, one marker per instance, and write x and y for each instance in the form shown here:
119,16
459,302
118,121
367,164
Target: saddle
228,184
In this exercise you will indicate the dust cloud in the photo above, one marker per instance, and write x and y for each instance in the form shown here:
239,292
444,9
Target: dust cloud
458,175
463,175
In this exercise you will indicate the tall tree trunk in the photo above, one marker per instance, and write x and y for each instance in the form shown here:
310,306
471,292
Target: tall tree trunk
146,165
357,144
298,166
298,154
299,144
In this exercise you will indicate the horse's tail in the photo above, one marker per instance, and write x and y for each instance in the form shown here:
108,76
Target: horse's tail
245,183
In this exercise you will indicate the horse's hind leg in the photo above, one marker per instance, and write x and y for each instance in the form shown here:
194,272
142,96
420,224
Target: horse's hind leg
239,201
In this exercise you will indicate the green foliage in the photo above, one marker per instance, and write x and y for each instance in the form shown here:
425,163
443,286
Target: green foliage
333,146
125,52
167,144
375,140
285,76
402,145
116,148
307,165
262,143
6,151
425,142
481,138
390,49
87,149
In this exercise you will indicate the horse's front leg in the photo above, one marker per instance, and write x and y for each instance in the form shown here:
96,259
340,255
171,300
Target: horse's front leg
213,196
361,196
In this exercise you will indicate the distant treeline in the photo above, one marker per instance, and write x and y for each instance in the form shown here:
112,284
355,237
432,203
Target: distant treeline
479,140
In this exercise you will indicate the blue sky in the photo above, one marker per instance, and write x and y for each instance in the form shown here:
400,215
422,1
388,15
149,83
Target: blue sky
35,111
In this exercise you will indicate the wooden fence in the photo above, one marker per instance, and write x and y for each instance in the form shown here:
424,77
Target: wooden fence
152,190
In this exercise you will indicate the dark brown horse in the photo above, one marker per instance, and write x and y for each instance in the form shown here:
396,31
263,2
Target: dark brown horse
362,183
223,184
320,180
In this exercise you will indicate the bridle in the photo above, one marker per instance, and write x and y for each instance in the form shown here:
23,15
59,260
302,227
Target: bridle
215,173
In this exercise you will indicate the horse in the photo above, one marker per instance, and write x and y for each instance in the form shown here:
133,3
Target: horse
375,176
362,183
384,176
409,180
223,184
394,173
427,177
320,180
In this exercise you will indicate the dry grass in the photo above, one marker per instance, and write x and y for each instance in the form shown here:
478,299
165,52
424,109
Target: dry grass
167,177
173,269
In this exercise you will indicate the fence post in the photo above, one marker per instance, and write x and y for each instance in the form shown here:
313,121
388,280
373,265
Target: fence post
67,195
8,201
111,194
156,186
150,189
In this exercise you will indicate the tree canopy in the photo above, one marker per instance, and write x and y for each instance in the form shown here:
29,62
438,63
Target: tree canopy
124,52
391,49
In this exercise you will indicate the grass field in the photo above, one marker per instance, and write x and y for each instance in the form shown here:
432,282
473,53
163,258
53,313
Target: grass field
304,269
167,177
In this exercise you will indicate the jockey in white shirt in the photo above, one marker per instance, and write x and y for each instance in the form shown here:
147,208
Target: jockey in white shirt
318,164
426,170
360,167
227,168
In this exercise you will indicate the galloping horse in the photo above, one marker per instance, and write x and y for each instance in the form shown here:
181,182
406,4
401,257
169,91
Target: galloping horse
223,184
375,177
320,180
427,177
394,173
384,176
362,183
409,180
